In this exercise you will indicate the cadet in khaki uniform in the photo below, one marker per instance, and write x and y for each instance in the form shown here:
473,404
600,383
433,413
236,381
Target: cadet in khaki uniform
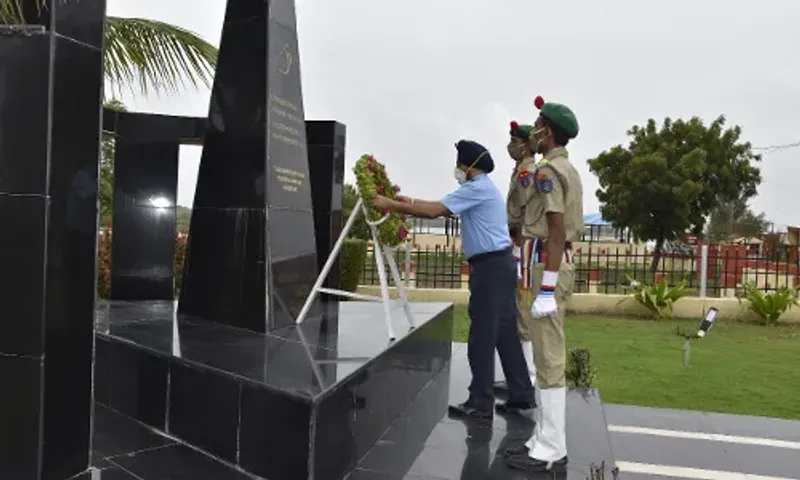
521,180
553,220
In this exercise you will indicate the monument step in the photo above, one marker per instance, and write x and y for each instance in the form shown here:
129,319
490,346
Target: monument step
296,403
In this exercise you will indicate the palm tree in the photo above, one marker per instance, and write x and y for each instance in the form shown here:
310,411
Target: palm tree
143,54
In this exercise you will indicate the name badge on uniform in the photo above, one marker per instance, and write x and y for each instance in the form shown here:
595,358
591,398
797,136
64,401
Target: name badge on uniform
544,183
525,179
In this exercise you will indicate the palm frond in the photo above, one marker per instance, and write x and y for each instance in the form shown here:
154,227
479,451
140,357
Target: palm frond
11,12
155,55
147,54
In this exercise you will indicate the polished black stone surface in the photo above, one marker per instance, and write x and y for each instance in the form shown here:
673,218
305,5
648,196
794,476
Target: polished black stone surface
145,195
421,443
127,450
281,360
251,259
326,150
274,404
50,100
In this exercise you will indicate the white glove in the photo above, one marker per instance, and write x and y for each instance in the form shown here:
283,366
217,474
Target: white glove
545,303
517,255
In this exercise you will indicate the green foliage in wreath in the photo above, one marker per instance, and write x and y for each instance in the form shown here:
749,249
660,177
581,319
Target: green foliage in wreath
371,180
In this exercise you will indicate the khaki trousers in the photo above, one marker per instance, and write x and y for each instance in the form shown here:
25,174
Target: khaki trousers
547,333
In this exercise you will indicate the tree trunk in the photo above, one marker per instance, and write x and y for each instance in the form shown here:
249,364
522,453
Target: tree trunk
657,254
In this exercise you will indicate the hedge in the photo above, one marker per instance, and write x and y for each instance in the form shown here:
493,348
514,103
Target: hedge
352,258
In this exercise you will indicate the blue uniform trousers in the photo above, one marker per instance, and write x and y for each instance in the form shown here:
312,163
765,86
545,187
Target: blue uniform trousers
493,324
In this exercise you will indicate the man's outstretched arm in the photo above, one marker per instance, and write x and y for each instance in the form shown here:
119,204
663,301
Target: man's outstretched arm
414,207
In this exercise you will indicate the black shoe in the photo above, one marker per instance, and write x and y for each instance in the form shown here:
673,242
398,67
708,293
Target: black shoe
500,387
516,451
528,464
466,411
514,407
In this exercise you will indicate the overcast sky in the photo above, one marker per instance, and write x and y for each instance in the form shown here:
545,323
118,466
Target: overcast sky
409,78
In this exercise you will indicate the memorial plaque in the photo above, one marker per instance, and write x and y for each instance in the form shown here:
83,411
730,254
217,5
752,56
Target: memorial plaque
251,259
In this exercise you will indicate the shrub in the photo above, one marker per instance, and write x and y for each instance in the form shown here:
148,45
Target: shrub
104,264
180,257
351,260
768,307
580,373
658,298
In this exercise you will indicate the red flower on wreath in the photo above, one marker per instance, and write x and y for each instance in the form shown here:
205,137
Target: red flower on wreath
372,180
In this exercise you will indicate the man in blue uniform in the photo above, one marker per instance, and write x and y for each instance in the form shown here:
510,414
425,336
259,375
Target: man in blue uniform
492,280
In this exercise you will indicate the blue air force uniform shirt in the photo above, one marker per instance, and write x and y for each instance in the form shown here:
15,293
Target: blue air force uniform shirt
482,209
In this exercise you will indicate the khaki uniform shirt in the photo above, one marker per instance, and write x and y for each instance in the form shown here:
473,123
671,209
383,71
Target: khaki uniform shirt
515,203
552,185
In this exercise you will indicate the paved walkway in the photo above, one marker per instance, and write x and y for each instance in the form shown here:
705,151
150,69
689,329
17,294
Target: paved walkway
654,444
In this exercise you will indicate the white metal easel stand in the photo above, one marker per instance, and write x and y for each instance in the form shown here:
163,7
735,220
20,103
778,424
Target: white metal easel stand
379,252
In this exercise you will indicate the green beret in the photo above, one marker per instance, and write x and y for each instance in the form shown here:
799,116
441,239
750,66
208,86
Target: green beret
561,116
522,132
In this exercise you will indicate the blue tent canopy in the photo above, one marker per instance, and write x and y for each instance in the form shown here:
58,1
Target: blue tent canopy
595,219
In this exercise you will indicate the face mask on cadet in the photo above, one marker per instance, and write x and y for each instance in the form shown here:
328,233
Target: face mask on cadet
535,139
517,150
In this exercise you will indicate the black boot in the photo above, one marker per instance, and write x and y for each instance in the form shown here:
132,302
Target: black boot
527,464
467,411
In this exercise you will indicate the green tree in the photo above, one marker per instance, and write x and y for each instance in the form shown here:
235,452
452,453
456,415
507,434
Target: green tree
106,182
730,220
669,178
360,228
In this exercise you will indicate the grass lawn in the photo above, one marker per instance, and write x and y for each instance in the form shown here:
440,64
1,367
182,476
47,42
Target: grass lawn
737,368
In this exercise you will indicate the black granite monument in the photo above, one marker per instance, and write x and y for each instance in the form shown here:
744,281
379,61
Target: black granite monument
251,259
229,372
145,195
51,84
326,147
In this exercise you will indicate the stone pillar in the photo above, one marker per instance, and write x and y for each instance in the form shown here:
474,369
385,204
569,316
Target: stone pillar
51,84
251,260
145,192
326,148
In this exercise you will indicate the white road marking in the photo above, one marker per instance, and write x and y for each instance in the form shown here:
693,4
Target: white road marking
685,472
714,437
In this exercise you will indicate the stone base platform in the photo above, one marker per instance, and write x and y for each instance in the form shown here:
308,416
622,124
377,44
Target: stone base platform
421,444
299,403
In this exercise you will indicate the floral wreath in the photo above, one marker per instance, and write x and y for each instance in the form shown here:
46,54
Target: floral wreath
371,180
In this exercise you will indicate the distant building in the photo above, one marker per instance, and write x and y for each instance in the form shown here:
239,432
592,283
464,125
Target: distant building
598,229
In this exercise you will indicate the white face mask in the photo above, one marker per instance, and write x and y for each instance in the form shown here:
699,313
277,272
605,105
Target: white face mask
460,175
